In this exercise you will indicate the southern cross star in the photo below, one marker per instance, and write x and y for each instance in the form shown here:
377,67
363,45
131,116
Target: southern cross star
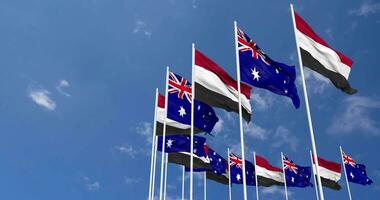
238,177
182,111
169,143
255,74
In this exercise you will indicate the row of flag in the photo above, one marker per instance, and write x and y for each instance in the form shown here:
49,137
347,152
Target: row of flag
188,103
215,87
217,168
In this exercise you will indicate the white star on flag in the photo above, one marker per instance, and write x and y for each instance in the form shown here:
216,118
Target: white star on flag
182,111
169,143
255,74
238,177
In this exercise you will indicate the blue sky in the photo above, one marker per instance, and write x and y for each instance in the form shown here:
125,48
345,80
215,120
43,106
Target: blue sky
77,88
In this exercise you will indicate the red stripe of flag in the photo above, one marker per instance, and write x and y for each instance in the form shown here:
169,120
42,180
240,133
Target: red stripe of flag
260,161
202,61
330,165
161,101
303,27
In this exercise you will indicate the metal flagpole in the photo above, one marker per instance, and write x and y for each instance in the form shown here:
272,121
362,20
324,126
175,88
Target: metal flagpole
283,172
153,143
166,174
204,186
154,166
183,182
192,122
307,107
164,134
256,181
344,167
315,181
240,113
229,175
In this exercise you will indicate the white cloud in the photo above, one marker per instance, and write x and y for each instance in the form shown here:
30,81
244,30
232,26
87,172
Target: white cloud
283,137
218,127
315,82
262,101
127,149
356,116
41,97
329,33
141,27
129,180
194,4
145,129
366,8
275,191
293,56
62,84
256,131
91,185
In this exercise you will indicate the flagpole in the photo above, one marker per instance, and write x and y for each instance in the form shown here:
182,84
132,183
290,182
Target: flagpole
154,165
315,181
204,186
166,174
164,134
153,143
229,175
240,113
307,108
192,122
183,182
257,183
283,173
344,167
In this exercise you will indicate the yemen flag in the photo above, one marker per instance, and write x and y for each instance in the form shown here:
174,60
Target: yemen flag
329,172
320,57
216,88
268,175
172,127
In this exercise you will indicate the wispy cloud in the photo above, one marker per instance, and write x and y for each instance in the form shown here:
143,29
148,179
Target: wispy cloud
329,33
262,100
141,27
355,115
366,8
194,4
91,185
218,127
41,97
283,137
315,81
62,85
256,131
145,129
280,136
275,191
127,149
130,180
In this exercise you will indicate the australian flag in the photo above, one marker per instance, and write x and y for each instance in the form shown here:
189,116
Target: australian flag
296,176
356,173
181,143
258,70
179,105
236,170
218,171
